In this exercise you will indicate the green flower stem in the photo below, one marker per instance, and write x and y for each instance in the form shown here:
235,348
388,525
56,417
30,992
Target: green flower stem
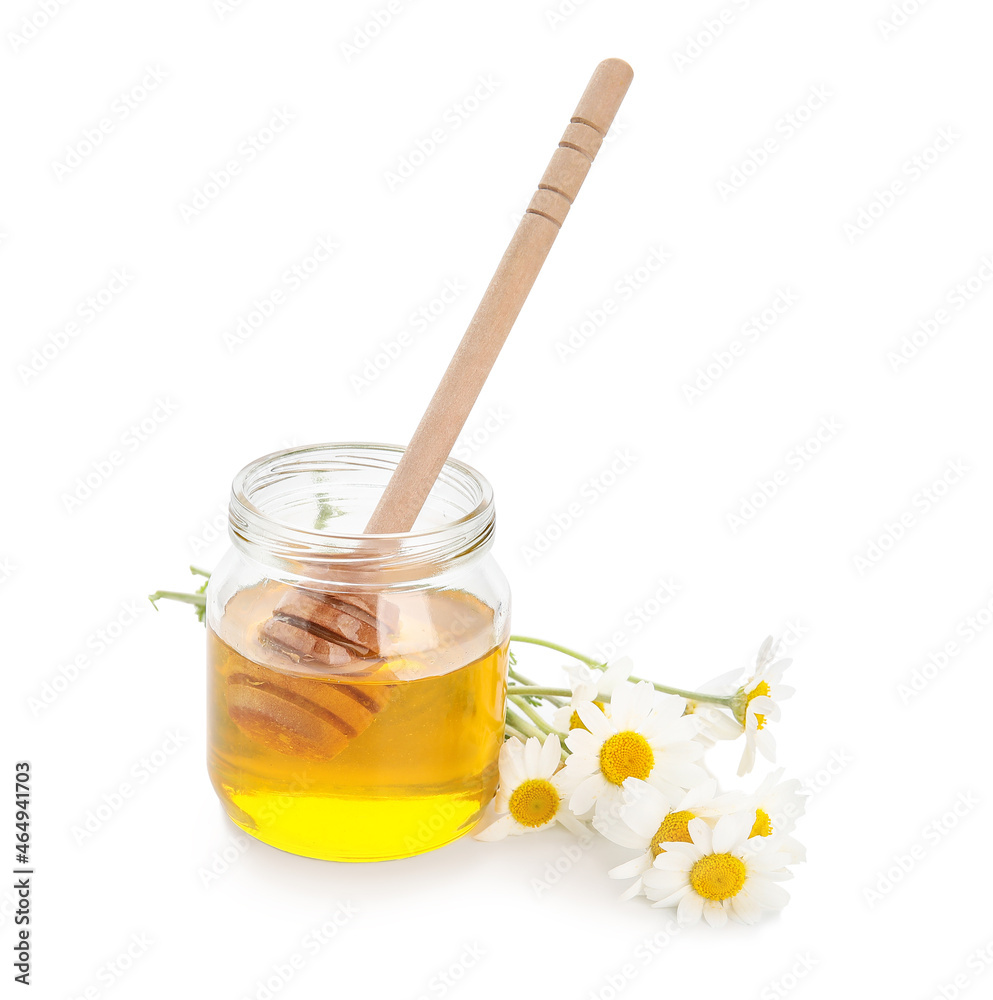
199,600
200,572
537,691
529,711
544,692
509,730
727,701
523,727
521,679
589,661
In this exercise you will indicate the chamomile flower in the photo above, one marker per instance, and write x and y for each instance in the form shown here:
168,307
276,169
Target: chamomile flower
719,874
777,805
590,685
757,701
646,736
715,723
648,819
532,792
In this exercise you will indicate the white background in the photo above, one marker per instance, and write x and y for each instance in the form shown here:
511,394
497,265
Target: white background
898,763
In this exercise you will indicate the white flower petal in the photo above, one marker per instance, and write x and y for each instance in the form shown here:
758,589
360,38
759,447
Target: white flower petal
498,829
701,834
548,759
660,884
582,741
673,898
594,720
636,888
691,906
618,672
767,894
571,823
690,851
731,830
714,912
747,758
673,861
532,753
761,705
636,866
512,763
645,808
585,795
697,796
744,907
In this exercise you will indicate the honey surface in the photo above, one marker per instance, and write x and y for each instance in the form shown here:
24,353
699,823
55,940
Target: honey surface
394,757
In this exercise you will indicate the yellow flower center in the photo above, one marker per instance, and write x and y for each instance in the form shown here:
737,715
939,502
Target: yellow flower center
626,755
575,722
762,827
762,688
718,876
534,802
674,827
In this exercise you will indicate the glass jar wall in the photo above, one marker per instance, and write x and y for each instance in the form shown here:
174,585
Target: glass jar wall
356,682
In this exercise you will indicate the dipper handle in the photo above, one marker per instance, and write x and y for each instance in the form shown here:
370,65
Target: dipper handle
462,382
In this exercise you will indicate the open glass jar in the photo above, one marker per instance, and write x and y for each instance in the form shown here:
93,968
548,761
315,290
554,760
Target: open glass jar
386,746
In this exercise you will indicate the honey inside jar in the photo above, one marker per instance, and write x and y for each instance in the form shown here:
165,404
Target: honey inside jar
389,757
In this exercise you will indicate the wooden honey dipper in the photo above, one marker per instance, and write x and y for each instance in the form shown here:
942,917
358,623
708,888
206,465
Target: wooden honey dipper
333,631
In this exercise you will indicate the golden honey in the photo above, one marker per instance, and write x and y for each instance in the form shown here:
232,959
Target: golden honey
392,757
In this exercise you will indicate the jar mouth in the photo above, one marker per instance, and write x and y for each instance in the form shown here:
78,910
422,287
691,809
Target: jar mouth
305,509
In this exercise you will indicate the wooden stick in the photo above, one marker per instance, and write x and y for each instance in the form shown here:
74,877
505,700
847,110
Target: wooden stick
449,408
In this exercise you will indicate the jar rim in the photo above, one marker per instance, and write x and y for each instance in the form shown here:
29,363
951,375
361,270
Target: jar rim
254,526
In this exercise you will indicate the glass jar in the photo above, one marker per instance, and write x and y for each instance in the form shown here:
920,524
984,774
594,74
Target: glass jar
356,682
